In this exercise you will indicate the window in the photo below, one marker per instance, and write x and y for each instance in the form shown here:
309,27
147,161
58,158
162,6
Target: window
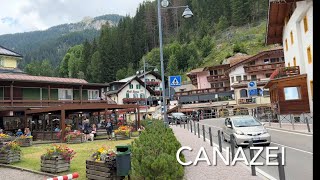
153,80
291,93
286,44
268,75
147,80
142,95
232,79
252,63
211,73
138,86
309,55
65,94
282,59
220,71
311,88
135,95
266,61
215,72
245,77
253,77
93,94
305,23
274,60
266,93
130,86
238,78
294,61
243,93
288,64
1,62
291,37
127,95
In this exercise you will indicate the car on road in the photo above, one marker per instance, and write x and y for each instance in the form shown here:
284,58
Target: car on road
180,117
244,129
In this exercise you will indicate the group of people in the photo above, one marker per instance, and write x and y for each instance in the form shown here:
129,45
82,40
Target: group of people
19,133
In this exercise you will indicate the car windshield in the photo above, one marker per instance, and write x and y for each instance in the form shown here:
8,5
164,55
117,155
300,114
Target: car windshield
246,122
178,114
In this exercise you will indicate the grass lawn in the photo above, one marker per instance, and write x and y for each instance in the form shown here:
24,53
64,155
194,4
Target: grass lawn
31,155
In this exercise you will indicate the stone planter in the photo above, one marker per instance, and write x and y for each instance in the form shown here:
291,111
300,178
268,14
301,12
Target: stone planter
100,170
24,142
9,157
54,164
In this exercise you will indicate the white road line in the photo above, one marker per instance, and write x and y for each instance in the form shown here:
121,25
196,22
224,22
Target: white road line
292,148
266,175
302,134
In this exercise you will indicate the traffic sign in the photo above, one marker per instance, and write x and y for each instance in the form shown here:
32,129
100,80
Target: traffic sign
252,85
253,92
174,81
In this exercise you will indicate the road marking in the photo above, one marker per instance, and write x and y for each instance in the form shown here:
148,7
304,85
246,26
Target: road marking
302,134
261,172
293,148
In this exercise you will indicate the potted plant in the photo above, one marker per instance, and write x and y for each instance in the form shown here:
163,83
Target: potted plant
57,159
74,137
10,153
4,138
24,141
102,164
123,132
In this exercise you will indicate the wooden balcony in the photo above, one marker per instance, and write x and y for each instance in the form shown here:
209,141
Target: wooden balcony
44,103
152,83
217,78
132,100
263,67
202,91
285,72
246,101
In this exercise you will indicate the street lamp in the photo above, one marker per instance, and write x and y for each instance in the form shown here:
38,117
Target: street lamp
186,14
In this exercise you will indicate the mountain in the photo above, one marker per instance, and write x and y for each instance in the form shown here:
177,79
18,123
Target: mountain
53,43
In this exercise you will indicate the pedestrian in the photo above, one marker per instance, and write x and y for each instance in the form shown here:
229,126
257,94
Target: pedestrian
109,128
19,133
86,129
94,130
27,132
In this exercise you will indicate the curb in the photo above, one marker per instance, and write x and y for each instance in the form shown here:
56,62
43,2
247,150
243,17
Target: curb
307,133
27,170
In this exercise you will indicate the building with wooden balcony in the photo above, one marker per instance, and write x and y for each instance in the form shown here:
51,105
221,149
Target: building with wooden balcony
259,67
290,24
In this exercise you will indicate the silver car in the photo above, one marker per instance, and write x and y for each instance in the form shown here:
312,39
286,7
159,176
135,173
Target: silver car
244,129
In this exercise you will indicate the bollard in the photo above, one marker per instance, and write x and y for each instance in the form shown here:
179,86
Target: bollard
219,140
188,124
180,123
280,167
279,119
253,167
204,135
232,146
184,125
176,121
210,136
194,127
66,177
191,126
308,126
198,130
269,119
292,122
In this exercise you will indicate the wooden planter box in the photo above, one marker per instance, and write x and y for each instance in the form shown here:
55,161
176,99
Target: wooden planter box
76,140
4,140
54,164
98,170
25,142
121,137
9,157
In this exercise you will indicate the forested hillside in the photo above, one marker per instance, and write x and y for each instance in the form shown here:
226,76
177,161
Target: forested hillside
218,29
53,43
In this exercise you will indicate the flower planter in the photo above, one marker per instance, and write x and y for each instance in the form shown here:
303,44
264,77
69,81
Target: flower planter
121,137
54,164
25,142
100,170
76,140
9,156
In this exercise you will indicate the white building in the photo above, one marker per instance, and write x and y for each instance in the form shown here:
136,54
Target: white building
295,31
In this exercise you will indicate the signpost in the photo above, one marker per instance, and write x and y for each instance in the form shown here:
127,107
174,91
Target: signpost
252,88
174,81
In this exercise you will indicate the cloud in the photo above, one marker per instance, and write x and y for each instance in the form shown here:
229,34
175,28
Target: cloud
28,15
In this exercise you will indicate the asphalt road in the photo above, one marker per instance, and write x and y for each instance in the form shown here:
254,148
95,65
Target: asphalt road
298,151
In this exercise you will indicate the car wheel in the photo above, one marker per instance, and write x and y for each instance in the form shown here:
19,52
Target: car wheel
268,144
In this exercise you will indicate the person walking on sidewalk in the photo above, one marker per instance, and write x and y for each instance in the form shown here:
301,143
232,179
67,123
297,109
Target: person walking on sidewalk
109,128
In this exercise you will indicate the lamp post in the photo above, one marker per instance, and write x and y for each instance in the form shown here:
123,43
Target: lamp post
186,14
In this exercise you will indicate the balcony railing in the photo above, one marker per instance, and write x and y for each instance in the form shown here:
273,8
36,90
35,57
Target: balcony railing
246,101
152,83
285,72
214,78
133,100
202,91
263,67
43,103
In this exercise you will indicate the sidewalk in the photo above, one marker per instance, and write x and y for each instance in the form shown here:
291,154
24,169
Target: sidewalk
202,170
298,127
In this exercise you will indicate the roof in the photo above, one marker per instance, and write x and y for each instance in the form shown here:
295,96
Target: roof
10,70
277,12
7,52
29,78
151,72
288,78
237,58
224,66
196,70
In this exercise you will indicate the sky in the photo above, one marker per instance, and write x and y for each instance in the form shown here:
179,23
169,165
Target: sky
30,15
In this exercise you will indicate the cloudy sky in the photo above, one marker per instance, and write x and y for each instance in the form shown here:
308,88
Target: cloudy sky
29,15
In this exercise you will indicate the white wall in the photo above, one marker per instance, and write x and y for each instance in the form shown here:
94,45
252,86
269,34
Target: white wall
150,76
238,71
302,40
122,93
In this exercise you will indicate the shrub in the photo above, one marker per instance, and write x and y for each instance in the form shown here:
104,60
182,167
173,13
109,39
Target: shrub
154,153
